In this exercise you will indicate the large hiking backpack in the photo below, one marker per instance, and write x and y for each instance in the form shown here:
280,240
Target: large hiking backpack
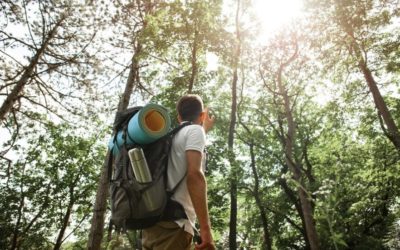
128,209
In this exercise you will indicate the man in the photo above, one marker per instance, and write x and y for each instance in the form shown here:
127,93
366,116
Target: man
186,157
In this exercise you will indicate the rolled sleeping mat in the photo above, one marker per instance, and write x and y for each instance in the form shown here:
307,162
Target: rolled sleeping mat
149,124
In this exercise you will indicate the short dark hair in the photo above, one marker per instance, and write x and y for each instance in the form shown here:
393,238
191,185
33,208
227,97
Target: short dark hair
189,107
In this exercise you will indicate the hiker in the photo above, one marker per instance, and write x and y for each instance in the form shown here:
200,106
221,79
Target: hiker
186,157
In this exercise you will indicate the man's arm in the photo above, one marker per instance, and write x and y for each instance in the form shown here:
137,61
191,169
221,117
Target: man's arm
197,187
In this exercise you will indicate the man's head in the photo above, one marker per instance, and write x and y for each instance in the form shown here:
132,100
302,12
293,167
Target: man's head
190,108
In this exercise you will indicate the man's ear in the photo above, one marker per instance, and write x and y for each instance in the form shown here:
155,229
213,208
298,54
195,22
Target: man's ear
202,116
179,118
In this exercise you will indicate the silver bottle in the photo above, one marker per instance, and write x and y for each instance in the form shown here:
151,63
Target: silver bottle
142,174
139,165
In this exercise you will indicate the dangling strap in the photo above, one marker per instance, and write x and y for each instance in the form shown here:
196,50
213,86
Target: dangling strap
174,210
177,184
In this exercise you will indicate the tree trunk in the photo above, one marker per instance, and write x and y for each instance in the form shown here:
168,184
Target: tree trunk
289,192
194,63
233,213
64,225
233,178
289,148
308,219
267,244
99,209
392,130
9,102
14,241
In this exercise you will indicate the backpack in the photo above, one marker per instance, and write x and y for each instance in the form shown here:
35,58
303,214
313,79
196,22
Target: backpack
128,196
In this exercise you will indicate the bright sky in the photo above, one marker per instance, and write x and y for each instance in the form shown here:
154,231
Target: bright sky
274,14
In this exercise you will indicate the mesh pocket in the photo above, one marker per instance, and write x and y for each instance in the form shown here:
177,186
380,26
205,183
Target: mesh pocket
136,208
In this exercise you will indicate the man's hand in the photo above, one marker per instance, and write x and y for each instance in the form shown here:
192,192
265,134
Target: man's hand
208,121
207,242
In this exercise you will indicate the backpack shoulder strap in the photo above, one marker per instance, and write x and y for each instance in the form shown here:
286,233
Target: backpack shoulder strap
177,128
172,133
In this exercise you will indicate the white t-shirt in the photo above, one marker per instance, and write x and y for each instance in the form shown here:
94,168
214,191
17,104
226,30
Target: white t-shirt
191,137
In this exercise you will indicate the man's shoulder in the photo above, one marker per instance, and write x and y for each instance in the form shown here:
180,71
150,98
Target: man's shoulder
192,128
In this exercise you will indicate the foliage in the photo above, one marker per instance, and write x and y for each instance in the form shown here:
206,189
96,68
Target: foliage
56,170
53,142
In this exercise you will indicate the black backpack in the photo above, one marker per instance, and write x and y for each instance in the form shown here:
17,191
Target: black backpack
128,210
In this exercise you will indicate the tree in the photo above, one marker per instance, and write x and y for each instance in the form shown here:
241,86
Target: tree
285,89
352,200
54,42
181,34
256,191
51,184
301,156
138,13
233,174
356,31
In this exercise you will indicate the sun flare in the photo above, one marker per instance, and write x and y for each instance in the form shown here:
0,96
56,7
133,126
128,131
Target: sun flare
273,14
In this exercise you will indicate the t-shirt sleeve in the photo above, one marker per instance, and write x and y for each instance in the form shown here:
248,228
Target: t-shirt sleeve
196,138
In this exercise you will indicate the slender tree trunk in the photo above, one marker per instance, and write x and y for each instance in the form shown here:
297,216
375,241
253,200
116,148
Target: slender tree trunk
99,209
193,75
267,244
308,219
14,241
289,147
20,84
233,177
233,212
392,130
64,225
289,192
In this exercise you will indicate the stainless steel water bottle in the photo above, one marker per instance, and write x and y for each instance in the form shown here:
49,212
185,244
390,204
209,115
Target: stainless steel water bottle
139,165
143,175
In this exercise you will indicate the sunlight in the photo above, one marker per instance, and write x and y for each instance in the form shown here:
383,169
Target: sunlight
273,14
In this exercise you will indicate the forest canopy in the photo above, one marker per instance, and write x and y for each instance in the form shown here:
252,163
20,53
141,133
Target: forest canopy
305,151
